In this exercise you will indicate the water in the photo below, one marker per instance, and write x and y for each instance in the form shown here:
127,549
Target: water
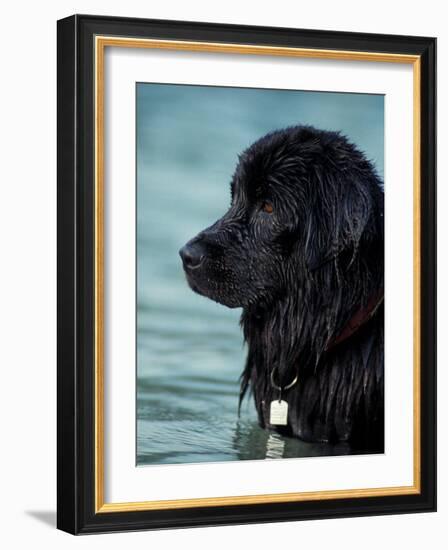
190,351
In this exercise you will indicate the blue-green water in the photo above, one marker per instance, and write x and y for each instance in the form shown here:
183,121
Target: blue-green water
190,350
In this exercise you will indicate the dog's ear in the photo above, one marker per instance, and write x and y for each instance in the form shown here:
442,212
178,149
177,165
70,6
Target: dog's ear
337,219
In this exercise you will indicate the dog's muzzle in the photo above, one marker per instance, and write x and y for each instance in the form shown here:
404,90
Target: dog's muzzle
192,255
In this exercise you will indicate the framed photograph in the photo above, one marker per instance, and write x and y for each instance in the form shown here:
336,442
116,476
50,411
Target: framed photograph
246,274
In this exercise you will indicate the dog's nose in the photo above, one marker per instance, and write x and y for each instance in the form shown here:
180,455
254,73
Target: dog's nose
192,255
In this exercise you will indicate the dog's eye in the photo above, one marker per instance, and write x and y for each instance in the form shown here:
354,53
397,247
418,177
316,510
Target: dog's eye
267,207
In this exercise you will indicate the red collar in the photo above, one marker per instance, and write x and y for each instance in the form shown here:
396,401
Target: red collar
360,317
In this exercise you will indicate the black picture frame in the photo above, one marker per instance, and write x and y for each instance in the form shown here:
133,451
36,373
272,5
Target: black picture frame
76,511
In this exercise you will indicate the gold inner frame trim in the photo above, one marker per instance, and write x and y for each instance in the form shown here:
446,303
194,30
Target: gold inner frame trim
101,42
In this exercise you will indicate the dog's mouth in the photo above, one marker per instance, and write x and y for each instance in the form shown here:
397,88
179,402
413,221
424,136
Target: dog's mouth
209,276
195,279
204,284
192,283
194,274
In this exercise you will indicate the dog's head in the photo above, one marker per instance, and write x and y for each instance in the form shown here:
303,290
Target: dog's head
300,198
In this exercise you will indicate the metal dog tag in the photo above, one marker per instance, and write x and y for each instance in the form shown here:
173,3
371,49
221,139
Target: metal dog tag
279,413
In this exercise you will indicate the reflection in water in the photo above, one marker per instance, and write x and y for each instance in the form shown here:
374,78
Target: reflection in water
251,442
187,419
190,350
275,446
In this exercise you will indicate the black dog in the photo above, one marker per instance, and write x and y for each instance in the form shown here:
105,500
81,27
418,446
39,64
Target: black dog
301,250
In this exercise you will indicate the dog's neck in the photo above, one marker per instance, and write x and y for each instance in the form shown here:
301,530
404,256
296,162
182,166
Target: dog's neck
281,338
361,316
293,333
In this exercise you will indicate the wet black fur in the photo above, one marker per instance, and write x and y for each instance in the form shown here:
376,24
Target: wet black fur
300,273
